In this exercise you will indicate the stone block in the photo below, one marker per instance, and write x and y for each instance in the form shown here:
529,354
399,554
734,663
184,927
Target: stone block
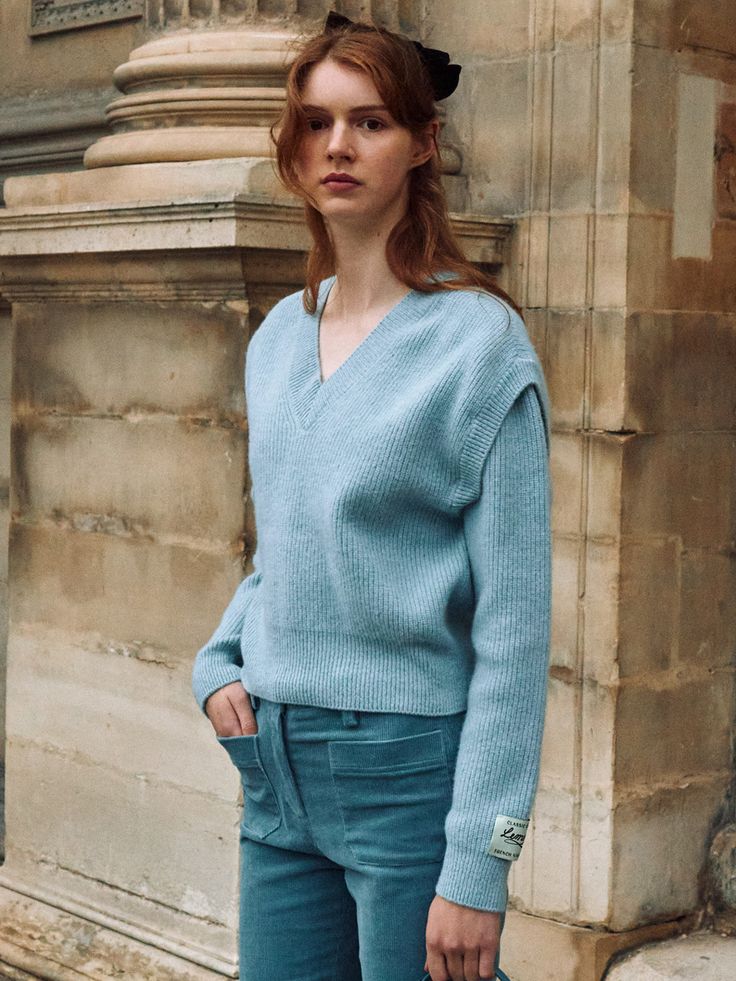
653,129
680,368
576,23
669,735
687,956
604,478
554,844
543,27
6,353
561,734
539,949
128,715
566,469
666,830
598,725
658,282
41,940
617,20
541,131
565,366
538,259
4,532
600,604
129,595
685,23
143,838
614,123
565,603
608,388
499,29
5,427
706,627
611,261
573,128
595,844
568,266
650,580
498,162
140,475
113,358
697,470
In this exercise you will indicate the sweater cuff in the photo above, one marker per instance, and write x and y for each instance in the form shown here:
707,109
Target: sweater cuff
218,675
473,878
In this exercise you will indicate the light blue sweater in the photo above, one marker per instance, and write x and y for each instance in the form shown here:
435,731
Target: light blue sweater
403,553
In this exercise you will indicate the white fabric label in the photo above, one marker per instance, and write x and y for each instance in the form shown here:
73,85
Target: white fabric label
508,837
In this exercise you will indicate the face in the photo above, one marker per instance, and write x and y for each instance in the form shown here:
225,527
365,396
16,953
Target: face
354,158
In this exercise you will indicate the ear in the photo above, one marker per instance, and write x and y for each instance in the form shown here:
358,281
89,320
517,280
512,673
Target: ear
425,144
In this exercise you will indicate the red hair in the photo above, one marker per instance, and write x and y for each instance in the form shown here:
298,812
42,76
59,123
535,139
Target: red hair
421,245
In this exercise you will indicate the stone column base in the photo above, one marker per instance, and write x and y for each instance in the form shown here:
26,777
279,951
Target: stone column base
40,941
537,949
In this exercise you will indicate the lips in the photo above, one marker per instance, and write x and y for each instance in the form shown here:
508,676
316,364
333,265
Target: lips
339,179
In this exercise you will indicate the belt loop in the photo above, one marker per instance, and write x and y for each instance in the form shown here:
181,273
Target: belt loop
255,701
350,719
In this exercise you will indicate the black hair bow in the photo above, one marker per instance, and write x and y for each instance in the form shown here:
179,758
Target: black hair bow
443,76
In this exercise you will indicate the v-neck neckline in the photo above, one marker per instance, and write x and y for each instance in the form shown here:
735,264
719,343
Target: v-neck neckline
309,393
319,314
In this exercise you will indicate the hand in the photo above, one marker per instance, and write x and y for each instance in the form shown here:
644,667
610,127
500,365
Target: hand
230,712
461,942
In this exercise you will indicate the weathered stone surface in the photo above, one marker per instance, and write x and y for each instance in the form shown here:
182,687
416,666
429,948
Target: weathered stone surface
573,133
128,715
539,949
680,367
102,359
33,934
142,475
498,162
699,465
123,591
667,830
672,734
703,955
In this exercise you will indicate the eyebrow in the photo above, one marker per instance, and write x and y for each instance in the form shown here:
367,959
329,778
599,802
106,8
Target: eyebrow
374,108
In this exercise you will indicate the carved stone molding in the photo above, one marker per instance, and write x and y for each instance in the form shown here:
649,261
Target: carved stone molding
51,16
196,97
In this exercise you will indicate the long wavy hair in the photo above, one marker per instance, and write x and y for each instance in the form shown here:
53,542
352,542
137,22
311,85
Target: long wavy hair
422,245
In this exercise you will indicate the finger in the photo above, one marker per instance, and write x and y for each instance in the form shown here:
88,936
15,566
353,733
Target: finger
470,966
240,701
487,963
436,966
455,966
225,720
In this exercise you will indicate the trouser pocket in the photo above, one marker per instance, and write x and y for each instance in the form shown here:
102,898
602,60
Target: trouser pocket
261,813
393,795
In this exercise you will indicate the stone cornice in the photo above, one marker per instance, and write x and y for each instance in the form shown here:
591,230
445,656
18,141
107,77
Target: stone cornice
234,221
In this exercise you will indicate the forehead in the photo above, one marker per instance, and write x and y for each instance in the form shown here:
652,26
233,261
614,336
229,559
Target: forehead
330,83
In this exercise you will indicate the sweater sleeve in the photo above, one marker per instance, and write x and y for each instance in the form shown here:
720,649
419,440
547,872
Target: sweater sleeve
507,531
218,663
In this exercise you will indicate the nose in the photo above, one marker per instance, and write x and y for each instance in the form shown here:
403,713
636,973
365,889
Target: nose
339,144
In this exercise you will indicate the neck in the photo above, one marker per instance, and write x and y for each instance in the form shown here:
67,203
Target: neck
364,277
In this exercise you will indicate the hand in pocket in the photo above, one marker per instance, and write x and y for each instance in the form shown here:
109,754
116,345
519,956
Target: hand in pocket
230,712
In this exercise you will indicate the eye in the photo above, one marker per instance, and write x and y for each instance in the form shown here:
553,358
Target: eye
314,125
372,124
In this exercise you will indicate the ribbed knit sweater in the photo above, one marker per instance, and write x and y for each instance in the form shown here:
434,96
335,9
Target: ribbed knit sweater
403,545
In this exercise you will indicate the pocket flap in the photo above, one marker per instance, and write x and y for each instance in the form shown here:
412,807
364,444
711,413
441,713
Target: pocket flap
378,754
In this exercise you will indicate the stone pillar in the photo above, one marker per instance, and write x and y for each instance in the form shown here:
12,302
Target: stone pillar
593,127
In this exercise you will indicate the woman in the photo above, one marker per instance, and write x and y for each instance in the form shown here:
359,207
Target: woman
379,679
